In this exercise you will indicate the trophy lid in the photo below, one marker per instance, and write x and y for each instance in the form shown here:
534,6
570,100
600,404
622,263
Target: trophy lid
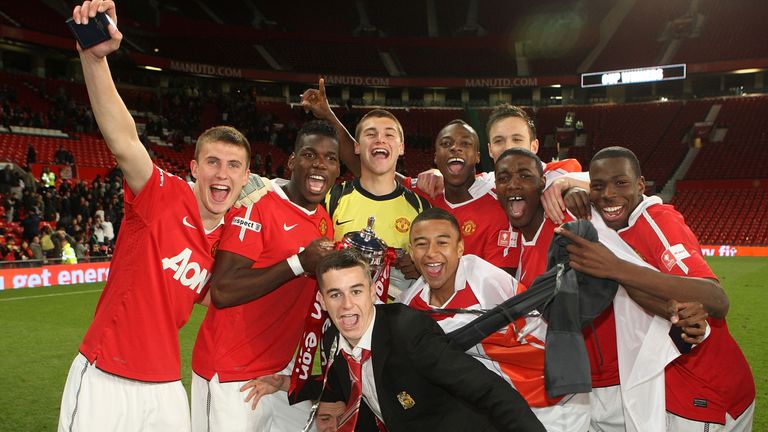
365,240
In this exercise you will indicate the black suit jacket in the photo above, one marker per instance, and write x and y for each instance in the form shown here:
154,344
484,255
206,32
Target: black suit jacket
426,383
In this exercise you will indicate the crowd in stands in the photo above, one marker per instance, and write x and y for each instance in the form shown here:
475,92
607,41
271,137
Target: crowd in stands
42,222
62,113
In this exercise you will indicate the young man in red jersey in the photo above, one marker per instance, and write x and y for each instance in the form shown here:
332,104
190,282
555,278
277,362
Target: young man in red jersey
520,182
484,226
261,293
127,375
509,127
711,386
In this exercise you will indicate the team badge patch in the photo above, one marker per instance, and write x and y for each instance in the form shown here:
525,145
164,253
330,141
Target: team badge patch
322,226
402,224
406,400
215,247
673,255
468,228
507,239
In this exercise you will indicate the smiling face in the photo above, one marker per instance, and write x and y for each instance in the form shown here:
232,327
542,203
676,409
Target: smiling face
456,153
519,186
436,247
510,132
347,296
615,189
221,170
379,144
314,168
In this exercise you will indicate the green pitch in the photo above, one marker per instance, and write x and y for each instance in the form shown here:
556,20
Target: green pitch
41,328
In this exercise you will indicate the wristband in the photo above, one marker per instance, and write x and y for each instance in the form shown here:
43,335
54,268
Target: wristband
295,264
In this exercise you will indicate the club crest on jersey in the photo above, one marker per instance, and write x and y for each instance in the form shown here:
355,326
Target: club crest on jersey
468,227
247,224
507,238
215,247
322,226
402,224
673,255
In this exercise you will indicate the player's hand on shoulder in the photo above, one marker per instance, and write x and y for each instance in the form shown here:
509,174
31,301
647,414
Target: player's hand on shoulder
252,192
691,318
577,202
314,252
316,101
552,200
87,11
431,182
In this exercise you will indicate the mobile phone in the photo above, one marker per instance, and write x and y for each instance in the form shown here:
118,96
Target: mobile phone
93,33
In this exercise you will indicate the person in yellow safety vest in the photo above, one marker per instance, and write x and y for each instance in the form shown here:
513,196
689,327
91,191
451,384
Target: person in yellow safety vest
67,253
48,178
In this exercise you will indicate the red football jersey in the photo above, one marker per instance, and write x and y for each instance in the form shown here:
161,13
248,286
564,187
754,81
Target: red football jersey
714,378
600,342
511,236
483,223
479,285
533,252
161,267
260,337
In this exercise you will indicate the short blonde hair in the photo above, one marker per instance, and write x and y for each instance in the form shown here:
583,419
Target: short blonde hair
226,134
379,113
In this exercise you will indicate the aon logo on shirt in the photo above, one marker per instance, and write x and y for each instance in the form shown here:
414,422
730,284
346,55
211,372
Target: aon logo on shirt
187,272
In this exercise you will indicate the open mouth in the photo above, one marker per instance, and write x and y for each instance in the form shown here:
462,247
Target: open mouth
349,321
455,165
219,193
516,206
434,269
380,153
611,214
316,183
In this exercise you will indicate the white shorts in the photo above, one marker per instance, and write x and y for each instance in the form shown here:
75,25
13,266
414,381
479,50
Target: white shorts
95,400
571,414
606,410
743,423
221,407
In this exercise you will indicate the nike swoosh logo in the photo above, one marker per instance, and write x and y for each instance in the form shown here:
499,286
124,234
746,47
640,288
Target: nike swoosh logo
289,227
185,222
338,222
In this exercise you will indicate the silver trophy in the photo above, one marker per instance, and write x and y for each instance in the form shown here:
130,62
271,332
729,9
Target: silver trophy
371,247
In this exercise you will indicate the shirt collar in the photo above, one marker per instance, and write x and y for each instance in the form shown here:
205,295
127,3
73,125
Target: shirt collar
208,231
277,187
364,343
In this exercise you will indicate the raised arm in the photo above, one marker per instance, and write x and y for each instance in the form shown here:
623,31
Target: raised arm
316,101
114,120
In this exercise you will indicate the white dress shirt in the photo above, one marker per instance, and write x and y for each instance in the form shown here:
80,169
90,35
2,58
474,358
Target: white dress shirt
369,385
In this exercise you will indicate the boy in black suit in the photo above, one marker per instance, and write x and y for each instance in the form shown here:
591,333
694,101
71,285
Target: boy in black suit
406,375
